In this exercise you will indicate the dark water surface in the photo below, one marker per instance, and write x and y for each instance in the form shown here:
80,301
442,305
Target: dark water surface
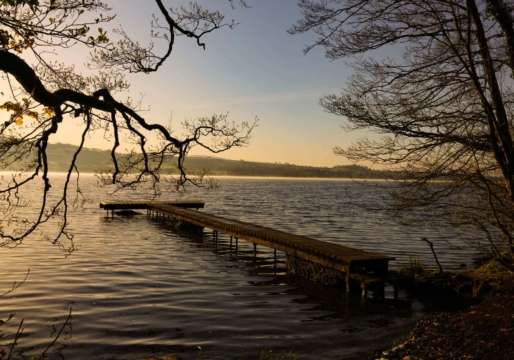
138,289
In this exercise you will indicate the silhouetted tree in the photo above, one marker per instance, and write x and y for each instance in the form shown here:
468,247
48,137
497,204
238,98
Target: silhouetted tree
442,100
44,94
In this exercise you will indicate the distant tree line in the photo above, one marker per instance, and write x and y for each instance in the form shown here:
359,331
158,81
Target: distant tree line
95,160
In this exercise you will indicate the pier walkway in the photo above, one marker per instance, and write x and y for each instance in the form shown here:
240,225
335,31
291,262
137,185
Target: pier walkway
368,269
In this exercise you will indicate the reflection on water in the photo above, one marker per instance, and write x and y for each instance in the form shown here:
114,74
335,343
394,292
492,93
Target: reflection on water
139,289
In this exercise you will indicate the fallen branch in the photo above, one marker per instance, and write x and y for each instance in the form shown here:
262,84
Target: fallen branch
433,252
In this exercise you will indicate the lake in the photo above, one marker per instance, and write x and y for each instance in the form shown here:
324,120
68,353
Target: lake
139,289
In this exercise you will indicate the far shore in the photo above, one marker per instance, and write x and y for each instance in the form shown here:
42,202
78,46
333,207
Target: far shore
263,177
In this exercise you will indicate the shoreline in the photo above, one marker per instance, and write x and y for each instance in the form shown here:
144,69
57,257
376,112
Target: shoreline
263,177
480,330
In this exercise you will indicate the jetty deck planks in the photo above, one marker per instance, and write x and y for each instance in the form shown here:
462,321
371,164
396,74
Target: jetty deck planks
333,255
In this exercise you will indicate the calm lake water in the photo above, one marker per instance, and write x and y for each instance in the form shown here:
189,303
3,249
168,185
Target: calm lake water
138,289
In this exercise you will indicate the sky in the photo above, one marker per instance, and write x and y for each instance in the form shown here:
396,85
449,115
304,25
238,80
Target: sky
255,70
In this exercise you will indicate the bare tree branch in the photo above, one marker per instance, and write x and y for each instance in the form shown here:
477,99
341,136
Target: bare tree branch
444,108
50,93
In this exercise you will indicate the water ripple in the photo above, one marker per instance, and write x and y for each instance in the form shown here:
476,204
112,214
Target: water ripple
140,290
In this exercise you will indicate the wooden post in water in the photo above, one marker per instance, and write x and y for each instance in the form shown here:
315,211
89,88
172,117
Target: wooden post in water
381,291
364,290
236,245
347,270
275,258
254,250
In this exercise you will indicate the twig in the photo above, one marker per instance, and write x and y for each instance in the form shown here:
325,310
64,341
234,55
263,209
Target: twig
18,335
14,286
59,334
433,252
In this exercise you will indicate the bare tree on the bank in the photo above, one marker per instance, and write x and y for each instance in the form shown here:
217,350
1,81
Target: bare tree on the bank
444,107
44,94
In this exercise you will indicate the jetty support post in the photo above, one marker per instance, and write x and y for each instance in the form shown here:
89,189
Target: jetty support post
236,245
254,250
275,260
380,287
364,287
347,270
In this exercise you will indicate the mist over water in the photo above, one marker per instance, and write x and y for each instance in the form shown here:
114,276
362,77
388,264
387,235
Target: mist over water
138,289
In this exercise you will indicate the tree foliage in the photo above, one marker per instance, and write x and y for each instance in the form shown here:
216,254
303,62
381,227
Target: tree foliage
45,93
444,107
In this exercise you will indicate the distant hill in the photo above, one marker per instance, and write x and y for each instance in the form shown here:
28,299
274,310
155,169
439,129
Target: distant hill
94,160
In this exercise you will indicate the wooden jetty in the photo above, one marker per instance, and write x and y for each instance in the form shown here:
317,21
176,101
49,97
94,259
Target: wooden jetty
367,269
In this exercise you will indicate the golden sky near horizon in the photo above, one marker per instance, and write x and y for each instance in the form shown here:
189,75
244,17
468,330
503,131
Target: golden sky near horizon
256,70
